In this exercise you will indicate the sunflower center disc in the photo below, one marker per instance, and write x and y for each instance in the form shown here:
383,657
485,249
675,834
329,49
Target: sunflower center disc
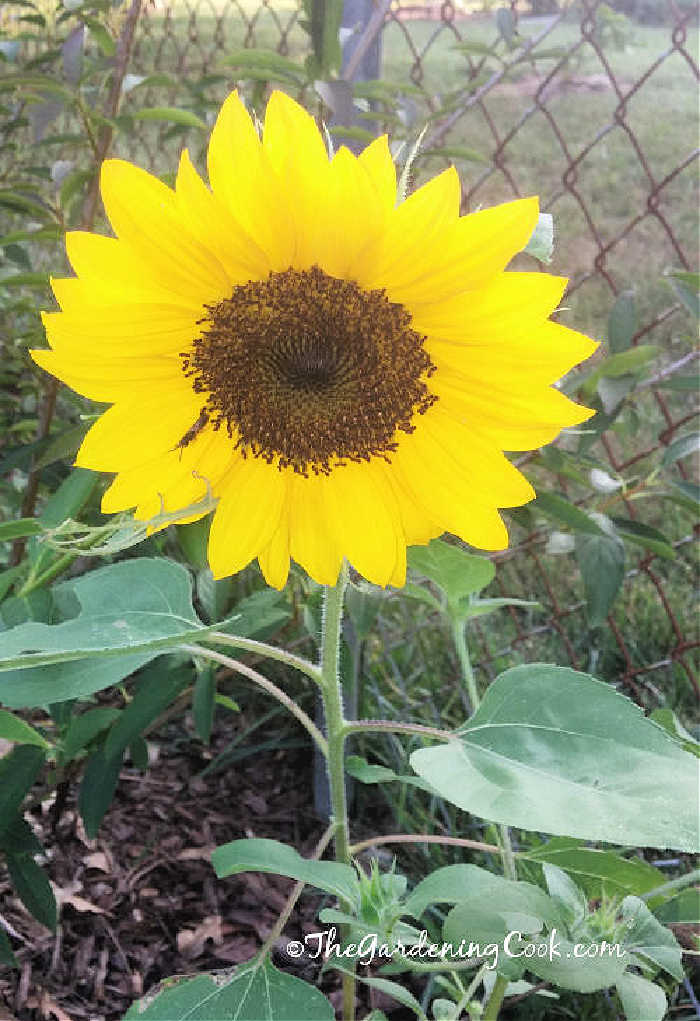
310,370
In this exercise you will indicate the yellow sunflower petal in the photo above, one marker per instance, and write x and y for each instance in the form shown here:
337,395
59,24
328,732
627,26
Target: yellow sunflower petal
353,220
446,493
516,419
86,377
365,521
274,558
466,256
125,330
130,433
424,215
242,177
296,151
145,217
250,504
377,160
214,226
311,542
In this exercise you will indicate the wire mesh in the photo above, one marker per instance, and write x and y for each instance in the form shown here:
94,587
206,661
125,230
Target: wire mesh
504,115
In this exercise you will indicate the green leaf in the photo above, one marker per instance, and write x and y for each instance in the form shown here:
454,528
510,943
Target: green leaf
6,956
682,447
64,445
101,36
601,560
18,771
622,322
99,783
565,891
254,992
454,884
555,750
363,771
681,910
641,999
84,728
393,989
646,936
582,974
456,152
14,729
667,719
19,528
7,580
171,114
261,855
687,287
557,507
158,686
687,495
272,64
133,610
456,572
70,497
598,872
33,888
645,536
633,360
541,244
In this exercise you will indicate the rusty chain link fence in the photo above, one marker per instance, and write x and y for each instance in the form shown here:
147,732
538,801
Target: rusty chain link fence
568,99
625,207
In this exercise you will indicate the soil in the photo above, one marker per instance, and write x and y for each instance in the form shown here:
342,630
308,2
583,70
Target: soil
141,902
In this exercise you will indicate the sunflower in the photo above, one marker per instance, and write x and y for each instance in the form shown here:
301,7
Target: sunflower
341,372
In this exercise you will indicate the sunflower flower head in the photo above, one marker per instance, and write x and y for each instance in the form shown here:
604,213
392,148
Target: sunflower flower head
342,373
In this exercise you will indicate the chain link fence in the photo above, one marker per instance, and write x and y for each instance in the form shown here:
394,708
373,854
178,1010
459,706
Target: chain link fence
571,103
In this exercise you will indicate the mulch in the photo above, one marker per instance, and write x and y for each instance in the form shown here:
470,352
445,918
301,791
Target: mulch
141,902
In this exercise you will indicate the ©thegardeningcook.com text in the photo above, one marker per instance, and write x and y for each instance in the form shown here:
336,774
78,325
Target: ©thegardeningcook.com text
370,948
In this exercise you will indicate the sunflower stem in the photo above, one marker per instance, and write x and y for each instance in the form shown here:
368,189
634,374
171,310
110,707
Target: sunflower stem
459,629
496,999
332,694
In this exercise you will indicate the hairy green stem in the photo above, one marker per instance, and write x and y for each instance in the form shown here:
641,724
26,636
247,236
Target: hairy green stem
508,858
394,727
424,838
268,651
460,640
673,884
495,999
332,694
266,685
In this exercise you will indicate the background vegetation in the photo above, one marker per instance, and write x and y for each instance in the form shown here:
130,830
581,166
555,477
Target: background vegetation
598,115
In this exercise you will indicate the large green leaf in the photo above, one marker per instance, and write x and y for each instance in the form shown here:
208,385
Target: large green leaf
122,616
260,855
555,750
254,992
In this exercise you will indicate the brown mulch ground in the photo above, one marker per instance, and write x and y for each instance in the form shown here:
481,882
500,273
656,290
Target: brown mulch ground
141,902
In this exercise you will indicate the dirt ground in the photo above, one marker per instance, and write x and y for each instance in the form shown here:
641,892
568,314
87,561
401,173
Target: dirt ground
141,901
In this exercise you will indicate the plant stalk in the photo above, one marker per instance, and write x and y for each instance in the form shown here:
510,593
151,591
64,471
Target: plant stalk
332,694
